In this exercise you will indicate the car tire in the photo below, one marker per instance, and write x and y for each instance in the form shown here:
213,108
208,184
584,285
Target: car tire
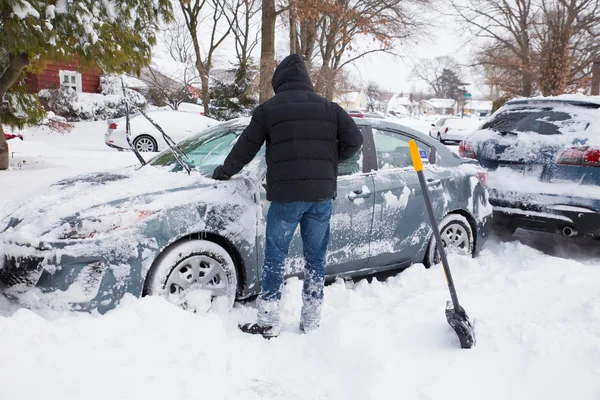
180,269
456,228
145,143
439,138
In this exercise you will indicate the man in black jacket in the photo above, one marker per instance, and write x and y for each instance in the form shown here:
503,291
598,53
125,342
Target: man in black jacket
307,137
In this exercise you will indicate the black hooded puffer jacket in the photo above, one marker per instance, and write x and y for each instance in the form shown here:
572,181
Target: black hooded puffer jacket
307,136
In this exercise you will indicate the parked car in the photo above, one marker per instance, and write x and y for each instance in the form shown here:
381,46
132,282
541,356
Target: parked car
543,155
356,113
85,242
453,129
146,138
374,114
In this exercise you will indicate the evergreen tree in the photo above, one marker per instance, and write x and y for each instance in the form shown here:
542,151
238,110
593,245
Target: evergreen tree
235,99
116,36
450,84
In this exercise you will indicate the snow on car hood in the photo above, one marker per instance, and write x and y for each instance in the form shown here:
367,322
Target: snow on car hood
102,202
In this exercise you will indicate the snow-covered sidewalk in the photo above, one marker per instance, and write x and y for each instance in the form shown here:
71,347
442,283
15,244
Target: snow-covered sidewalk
534,300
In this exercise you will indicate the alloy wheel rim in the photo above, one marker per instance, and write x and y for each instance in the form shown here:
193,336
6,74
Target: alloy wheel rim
456,239
197,272
144,144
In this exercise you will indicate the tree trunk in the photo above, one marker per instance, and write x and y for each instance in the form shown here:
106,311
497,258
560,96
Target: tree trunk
527,82
267,50
3,150
293,29
8,78
205,94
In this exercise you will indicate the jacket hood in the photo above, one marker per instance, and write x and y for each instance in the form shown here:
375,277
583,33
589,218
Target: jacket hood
291,74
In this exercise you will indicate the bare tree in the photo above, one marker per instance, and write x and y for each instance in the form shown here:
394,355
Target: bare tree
241,16
330,29
431,72
178,41
508,26
204,60
568,36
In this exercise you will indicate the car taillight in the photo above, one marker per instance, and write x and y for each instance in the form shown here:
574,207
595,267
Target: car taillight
112,126
446,131
467,150
580,156
482,176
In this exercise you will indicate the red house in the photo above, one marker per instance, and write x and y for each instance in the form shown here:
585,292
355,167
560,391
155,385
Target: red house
55,74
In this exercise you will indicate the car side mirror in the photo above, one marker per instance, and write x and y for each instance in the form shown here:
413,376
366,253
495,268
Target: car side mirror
432,124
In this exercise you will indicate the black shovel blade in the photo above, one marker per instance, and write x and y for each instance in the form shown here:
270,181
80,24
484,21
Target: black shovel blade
459,321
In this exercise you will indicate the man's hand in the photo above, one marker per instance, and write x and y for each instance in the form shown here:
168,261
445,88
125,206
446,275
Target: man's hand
219,174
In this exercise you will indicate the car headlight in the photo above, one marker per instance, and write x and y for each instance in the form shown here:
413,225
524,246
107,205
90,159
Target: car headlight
88,227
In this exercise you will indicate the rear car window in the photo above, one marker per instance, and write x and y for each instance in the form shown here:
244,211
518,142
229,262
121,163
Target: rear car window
543,121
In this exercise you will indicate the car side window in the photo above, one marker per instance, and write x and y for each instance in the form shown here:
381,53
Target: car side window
393,151
352,165
441,122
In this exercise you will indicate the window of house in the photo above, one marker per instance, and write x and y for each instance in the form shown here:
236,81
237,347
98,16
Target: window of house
393,151
70,79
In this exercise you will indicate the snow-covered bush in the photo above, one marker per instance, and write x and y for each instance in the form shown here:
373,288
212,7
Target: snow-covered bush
74,106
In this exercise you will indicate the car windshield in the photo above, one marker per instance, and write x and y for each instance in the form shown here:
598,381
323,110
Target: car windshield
206,150
544,121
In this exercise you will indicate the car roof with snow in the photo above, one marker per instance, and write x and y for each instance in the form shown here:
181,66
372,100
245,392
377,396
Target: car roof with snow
575,99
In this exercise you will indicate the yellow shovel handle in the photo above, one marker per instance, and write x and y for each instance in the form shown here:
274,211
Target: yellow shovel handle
416,157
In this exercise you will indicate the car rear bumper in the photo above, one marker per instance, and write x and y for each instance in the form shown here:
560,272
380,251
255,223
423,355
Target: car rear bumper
114,140
569,221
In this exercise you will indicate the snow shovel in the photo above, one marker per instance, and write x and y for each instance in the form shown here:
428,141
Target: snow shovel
455,314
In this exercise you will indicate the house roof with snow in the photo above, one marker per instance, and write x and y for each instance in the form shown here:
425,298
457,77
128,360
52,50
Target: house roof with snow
478,105
348,97
398,100
440,103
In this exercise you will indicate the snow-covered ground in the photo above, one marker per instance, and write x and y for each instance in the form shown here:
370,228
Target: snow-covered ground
534,300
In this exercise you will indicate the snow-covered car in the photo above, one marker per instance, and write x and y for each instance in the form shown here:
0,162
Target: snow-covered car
146,138
543,155
84,243
453,129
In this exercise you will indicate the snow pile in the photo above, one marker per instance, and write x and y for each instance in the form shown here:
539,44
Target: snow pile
536,319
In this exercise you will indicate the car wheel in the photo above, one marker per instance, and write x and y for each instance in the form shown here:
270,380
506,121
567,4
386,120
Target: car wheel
145,143
457,237
439,138
193,271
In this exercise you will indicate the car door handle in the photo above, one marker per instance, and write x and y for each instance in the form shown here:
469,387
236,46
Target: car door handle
433,182
358,194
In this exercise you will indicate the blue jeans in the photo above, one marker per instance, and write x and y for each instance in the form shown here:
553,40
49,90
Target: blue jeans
282,221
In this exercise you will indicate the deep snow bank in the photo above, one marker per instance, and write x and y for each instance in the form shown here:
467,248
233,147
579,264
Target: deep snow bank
536,318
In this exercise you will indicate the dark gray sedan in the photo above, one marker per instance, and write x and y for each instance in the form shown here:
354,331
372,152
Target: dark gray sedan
84,243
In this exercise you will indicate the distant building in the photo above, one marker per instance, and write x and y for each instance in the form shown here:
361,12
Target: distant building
352,100
55,74
481,108
400,104
438,107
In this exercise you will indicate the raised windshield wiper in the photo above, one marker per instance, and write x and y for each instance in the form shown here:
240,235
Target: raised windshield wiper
175,150
127,127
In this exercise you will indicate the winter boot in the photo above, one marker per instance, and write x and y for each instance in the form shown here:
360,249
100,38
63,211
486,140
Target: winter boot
307,329
267,332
